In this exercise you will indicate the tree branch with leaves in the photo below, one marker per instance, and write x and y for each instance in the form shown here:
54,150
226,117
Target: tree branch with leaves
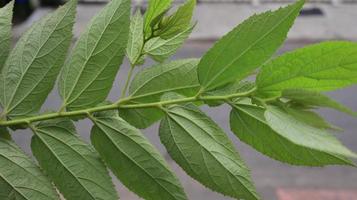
274,114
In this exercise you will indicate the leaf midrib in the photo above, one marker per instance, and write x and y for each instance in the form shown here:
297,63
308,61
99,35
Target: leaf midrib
278,137
31,90
249,47
135,31
37,52
24,169
210,153
112,141
174,139
162,42
214,139
97,75
88,58
266,87
13,187
211,136
187,64
334,143
74,150
285,138
60,161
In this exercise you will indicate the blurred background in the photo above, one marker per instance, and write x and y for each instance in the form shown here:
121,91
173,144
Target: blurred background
320,20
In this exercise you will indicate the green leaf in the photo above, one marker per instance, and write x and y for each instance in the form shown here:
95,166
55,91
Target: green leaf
229,89
5,32
156,21
177,22
136,38
150,84
4,133
137,164
74,166
204,151
155,9
301,133
320,67
32,67
177,76
20,179
141,118
91,69
246,47
249,125
313,98
309,117
161,49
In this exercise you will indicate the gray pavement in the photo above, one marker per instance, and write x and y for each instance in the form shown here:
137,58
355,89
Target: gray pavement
214,20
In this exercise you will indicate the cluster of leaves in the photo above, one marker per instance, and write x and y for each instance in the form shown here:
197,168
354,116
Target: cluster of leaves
274,114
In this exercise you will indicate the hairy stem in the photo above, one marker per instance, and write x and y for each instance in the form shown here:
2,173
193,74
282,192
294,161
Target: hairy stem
122,104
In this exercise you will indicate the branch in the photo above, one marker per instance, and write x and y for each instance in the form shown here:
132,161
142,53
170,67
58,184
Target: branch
130,73
121,104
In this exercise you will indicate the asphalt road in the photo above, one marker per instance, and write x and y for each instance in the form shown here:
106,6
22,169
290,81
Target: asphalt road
267,174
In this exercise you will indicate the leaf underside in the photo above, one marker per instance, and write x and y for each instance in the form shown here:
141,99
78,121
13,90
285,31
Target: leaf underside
5,32
150,84
313,98
155,9
20,179
249,124
203,150
137,164
136,38
90,71
74,166
161,49
33,65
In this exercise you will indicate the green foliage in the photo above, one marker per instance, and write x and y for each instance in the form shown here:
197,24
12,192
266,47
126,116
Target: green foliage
246,47
321,67
310,118
250,125
155,10
178,22
303,134
4,133
20,178
230,88
204,151
274,114
150,84
74,166
33,65
5,32
177,76
165,35
136,39
145,172
313,98
92,66
161,49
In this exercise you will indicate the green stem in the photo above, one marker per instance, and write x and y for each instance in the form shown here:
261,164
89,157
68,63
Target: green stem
122,104
130,73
